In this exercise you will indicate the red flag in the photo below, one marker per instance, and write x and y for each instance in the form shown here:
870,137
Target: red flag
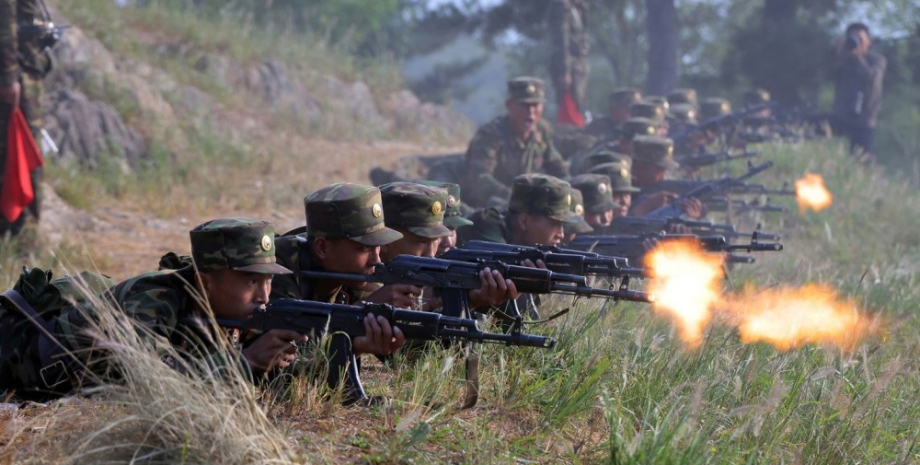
568,112
22,156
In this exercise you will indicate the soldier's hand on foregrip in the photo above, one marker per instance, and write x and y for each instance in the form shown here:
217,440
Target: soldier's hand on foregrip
276,348
10,94
495,290
397,295
380,338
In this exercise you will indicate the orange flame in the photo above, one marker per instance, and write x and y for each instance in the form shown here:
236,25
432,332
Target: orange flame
810,193
685,286
792,317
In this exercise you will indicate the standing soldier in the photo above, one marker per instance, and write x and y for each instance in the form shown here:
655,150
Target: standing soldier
24,62
517,143
569,61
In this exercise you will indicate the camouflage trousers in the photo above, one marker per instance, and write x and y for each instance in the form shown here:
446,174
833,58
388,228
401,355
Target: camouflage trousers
30,102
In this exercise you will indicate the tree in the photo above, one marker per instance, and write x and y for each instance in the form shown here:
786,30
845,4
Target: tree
663,32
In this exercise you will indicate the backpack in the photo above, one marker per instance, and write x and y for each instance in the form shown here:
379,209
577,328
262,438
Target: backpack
32,360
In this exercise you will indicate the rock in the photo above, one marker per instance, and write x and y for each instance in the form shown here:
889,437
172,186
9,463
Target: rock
271,82
355,98
225,72
84,130
411,115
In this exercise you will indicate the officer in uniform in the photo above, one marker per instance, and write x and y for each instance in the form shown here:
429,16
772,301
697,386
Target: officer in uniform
538,208
517,143
24,62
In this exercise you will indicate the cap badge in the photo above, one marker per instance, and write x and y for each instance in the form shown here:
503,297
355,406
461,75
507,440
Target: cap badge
624,172
579,210
531,89
568,200
266,243
602,188
436,208
377,210
451,201
670,151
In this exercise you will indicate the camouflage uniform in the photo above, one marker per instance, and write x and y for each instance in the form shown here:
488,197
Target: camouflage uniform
656,151
533,194
23,61
165,303
619,175
604,127
596,188
337,211
713,107
683,96
569,30
495,155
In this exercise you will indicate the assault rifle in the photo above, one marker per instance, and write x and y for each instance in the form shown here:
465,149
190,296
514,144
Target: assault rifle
454,279
557,259
681,186
708,159
716,124
722,204
644,225
632,246
318,318
707,189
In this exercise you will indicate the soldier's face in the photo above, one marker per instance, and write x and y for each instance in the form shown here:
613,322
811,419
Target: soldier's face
410,244
625,145
618,113
602,219
346,256
625,201
236,294
447,242
524,116
538,230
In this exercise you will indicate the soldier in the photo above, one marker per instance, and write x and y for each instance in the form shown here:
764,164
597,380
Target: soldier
654,111
344,232
619,102
682,118
453,216
517,143
620,185
634,126
654,156
569,61
25,62
538,208
581,226
417,212
756,97
599,207
229,277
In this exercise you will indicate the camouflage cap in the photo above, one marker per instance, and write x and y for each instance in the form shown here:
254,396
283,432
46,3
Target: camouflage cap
625,96
662,101
241,244
654,150
453,217
596,191
637,126
541,194
348,211
714,106
756,97
619,174
646,109
678,96
526,89
580,226
684,112
604,156
416,207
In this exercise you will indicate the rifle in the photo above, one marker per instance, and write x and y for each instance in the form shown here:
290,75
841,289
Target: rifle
454,279
633,225
705,190
557,259
681,186
318,318
716,123
708,159
631,246
721,204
